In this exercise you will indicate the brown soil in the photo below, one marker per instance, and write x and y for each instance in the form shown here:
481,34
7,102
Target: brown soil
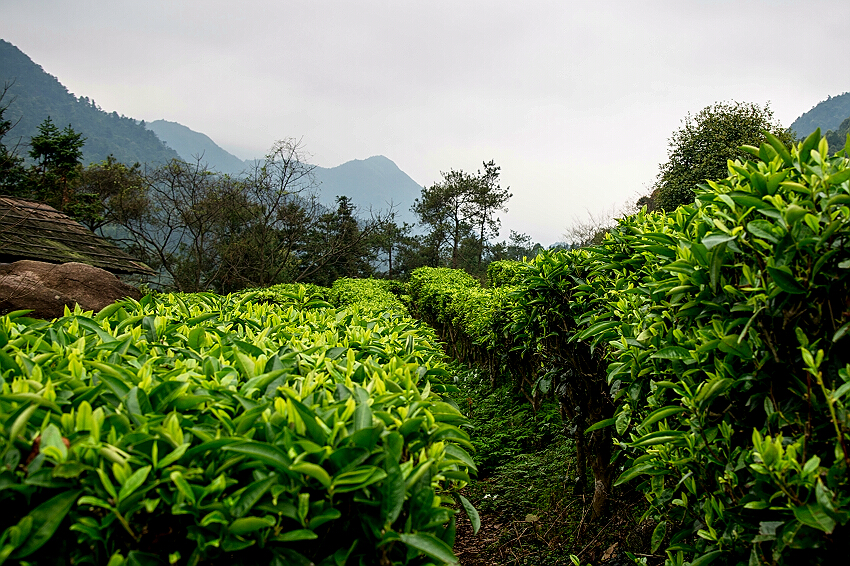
506,540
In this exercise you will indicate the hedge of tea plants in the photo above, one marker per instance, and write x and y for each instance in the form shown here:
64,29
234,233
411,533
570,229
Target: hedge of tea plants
264,428
730,360
526,330
470,320
711,345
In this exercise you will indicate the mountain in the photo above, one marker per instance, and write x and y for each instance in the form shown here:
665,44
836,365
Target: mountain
374,182
837,139
33,95
370,183
826,115
190,144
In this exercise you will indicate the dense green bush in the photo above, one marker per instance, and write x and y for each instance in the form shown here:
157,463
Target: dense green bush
222,430
731,368
504,272
472,322
711,343
527,332
550,321
306,295
371,294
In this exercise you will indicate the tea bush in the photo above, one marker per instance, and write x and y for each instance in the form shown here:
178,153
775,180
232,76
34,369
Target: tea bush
371,294
731,361
220,430
504,272
710,344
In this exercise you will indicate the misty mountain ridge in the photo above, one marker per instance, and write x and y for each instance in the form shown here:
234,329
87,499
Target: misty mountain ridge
191,145
373,183
34,95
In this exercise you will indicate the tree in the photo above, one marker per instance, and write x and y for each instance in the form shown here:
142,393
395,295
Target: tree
11,164
281,206
107,193
700,149
460,213
837,139
57,155
179,220
390,241
444,208
282,234
487,199
338,246
517,247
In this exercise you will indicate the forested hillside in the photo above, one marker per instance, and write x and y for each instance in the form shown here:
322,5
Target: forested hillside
33,95
826,115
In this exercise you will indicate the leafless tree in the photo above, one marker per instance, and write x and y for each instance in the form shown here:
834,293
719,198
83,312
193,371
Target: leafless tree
592,229
176,222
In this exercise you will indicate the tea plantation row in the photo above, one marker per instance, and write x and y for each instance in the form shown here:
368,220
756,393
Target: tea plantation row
266,428
702,355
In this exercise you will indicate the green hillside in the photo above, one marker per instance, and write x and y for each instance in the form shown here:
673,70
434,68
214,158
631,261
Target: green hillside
826,115
34,95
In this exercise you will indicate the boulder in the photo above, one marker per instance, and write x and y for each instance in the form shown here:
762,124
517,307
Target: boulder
47,287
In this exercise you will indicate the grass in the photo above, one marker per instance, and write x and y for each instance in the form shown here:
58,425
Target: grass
525,486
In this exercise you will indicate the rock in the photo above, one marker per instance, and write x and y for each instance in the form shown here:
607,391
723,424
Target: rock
47,287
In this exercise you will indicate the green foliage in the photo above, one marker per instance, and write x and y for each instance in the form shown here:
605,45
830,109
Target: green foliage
518,247
469,319
300,295
723,322
552,332
838,137
226,430
109,193
370,294
505,272
730,365
504,427
527,472
527,332
709,344
339,230
700,149
57,154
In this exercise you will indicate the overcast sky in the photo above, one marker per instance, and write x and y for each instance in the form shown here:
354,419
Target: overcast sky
574,100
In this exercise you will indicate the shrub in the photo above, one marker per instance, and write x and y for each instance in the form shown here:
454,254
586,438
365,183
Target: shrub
223,431
730,361
371,294
504,272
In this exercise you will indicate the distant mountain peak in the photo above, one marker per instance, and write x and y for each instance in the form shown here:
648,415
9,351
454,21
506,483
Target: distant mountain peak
373,182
